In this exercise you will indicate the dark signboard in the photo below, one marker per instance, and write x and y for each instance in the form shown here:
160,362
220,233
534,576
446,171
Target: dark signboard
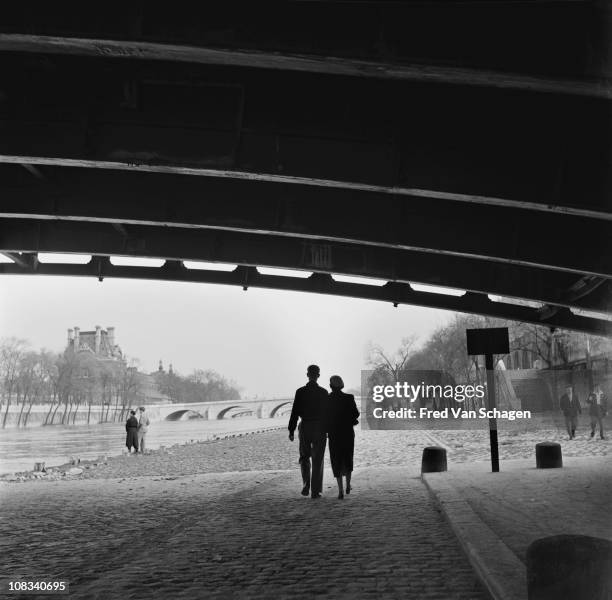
493,340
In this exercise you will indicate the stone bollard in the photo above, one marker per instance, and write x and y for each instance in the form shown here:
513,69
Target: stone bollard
434,460
573,567
548,455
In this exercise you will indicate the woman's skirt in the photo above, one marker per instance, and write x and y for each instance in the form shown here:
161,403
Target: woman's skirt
131,439
341,448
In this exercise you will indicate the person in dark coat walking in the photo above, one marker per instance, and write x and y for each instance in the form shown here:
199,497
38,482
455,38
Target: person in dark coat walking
341,417
131,426
308,406
570,406
598,407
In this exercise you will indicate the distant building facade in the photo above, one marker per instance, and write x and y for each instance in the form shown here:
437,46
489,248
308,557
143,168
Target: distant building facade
101,345
99,342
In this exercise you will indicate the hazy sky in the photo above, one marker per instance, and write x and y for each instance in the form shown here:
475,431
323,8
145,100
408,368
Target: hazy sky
262,339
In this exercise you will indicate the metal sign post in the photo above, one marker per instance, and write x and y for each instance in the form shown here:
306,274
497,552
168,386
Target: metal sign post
491,405
489,342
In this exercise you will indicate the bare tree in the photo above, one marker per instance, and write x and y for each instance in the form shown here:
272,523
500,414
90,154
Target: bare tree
51,368
12,351
535,339
68,367
107,381
446,351
130,387
26,379
64,365
86,382
391,363
42,382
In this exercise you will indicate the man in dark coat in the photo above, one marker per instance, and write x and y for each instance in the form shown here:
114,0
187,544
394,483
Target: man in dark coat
598,407
570,405
309,407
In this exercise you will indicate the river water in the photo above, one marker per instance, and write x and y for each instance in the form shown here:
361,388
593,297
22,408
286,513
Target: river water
21,448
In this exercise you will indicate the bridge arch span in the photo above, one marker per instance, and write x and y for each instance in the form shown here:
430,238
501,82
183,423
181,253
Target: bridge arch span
221,414
178,414
278,407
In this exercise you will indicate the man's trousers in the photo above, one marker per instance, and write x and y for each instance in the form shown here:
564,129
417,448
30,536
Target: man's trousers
595,420
142,435
312,447
571,422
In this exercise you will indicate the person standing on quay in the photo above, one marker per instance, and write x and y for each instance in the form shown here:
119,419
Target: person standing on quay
308,406
341,417
598,407
143,427
131,427
570,405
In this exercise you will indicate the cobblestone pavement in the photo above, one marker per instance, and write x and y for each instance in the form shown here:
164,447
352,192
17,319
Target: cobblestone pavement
240,535
522,504
224,519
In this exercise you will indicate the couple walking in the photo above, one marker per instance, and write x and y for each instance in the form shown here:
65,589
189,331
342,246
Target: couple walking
569,404
324,415
136,429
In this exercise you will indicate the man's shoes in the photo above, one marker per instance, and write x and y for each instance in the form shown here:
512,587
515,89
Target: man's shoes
341,496
316,495
348,488
306,490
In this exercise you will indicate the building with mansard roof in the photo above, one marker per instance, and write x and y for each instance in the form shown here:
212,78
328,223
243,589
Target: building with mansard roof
100,342
101,345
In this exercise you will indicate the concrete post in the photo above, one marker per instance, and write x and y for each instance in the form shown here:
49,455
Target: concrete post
548,455
434,460
576,567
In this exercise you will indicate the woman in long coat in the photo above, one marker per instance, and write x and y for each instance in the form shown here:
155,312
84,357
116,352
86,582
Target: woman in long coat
341,417
131,426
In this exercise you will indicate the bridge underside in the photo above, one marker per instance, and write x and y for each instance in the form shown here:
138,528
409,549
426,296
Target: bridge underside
446,143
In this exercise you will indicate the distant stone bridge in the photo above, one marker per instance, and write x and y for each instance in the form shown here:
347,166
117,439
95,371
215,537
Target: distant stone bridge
226,409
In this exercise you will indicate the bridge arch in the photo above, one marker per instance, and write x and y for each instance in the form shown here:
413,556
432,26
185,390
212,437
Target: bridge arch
221,414
178,414
278,407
